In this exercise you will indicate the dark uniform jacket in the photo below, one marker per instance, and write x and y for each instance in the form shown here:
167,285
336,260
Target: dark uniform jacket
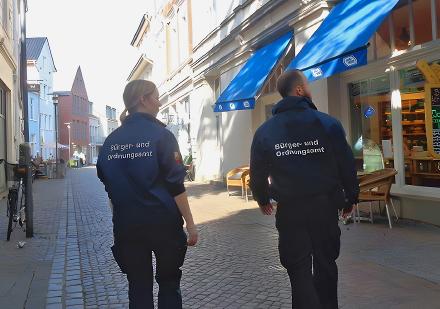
305,153
140,166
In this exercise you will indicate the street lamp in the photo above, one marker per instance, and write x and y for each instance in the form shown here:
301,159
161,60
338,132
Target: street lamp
68,127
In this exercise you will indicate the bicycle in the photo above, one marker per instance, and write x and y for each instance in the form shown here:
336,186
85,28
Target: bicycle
15,209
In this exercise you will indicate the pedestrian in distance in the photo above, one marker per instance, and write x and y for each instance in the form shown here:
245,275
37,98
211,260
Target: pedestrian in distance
141,167
313,174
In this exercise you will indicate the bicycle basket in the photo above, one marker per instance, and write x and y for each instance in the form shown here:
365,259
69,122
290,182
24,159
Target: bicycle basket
14,172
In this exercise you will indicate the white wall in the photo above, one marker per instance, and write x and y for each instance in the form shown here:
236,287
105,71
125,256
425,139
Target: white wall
236,130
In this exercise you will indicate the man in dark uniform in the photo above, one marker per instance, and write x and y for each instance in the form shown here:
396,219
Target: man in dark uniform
313,174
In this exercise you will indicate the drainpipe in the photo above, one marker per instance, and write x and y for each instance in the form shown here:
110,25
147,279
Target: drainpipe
27,156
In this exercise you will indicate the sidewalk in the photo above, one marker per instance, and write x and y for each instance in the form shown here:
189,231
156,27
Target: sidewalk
235,264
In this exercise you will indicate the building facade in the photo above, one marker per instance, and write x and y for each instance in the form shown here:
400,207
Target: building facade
40,69
201,47
74,119
11,107
103,121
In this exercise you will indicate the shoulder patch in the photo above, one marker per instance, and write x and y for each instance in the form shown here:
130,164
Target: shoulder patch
178,157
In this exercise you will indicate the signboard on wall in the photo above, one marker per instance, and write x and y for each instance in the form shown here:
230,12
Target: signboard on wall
358,89
412,77
433,118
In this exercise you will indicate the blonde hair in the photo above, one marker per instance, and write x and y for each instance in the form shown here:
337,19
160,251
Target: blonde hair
133,93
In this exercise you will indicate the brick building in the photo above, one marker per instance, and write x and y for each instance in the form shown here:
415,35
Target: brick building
74,119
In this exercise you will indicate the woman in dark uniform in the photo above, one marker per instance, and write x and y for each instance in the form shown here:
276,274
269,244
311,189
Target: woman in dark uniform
141,168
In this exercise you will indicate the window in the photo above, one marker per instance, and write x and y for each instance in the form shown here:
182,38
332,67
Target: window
31,109
73,105
402,28
269,110
48,122
5,17
90,108
417,172
422,21
371,122
411,25
78,134
272,82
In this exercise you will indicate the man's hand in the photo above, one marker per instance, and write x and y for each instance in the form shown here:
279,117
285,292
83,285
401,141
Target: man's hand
267,210
193,235
347,211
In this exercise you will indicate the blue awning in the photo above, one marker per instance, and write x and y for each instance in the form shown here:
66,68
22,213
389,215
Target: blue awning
340,43
240,93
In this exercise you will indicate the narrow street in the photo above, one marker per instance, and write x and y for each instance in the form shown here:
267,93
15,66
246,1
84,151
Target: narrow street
68,264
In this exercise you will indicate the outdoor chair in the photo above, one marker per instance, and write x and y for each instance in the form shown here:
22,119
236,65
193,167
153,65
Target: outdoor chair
376,186
234,178
246,177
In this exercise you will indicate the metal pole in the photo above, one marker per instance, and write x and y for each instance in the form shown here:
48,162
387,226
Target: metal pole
56,134
27,156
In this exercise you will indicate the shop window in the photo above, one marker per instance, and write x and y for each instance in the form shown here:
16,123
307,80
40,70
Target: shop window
401,28
371,122
422,21
420,168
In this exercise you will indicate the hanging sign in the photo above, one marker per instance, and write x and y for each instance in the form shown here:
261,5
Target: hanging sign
433,118
432,106
33,87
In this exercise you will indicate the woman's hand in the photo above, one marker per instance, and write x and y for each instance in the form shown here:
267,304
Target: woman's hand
193,235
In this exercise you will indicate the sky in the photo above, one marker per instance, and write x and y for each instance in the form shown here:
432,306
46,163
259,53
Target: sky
93,34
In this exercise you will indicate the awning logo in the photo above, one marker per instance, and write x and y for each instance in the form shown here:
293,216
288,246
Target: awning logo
246,104
232,105
350,61
317,72
220,107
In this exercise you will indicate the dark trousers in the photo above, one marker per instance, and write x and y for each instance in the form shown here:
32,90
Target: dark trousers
309,234
134,257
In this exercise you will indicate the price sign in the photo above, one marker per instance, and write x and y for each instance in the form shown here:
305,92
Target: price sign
433,118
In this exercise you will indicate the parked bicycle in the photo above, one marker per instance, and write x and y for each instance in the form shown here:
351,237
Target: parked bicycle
15,209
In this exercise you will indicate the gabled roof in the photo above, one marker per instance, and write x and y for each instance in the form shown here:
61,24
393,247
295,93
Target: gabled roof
34,46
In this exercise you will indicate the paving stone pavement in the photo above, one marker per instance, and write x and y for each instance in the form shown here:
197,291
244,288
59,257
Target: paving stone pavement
234,265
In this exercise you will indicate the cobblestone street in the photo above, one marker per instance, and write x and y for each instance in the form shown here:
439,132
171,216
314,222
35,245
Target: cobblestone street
68,264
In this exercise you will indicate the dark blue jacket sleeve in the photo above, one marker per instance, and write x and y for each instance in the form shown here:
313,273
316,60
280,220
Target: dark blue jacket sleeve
259,172
345,162
170,164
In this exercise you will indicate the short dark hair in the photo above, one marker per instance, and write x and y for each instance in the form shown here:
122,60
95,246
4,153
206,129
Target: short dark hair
288,81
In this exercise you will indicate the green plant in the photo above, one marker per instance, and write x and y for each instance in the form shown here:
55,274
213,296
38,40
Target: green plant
22,150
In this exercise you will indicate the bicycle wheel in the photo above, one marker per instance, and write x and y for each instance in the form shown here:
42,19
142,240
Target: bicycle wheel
12,203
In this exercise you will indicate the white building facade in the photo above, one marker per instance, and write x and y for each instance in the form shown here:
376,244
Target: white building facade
41,67
193,49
